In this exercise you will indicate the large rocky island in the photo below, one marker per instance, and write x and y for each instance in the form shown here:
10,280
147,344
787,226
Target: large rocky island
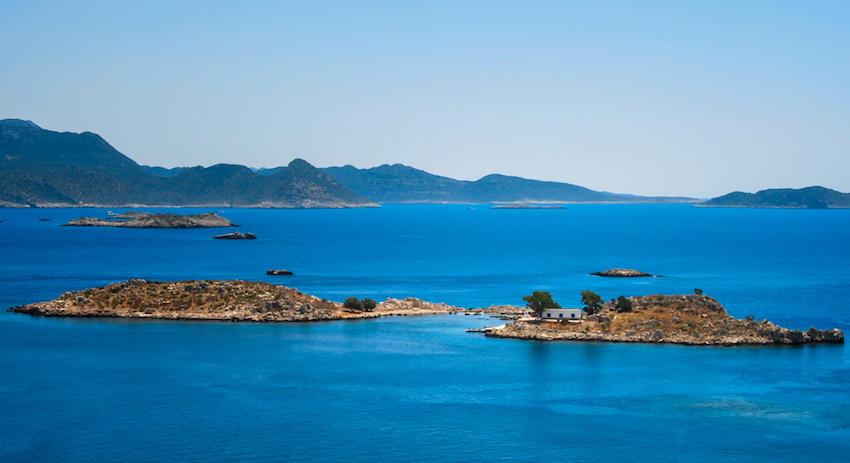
217,300
692,319
682,319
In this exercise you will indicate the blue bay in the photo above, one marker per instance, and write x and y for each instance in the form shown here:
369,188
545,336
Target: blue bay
420,388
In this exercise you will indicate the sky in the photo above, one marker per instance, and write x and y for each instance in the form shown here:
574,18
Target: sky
683,98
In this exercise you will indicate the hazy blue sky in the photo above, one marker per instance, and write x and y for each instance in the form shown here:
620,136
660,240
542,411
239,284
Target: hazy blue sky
654,98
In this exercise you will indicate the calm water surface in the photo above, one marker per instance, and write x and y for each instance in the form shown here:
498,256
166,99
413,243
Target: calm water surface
420,388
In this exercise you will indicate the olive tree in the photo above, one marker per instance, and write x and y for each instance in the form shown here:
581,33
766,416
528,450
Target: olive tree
369,304
540,301
352,303
592,302
623,304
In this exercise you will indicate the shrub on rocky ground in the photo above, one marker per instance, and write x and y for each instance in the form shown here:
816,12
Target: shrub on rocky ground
352,303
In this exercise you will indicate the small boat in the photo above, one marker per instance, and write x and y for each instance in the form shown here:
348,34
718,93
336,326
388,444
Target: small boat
45,220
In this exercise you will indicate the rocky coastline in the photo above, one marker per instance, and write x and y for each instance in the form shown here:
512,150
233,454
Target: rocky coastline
680,319
148,220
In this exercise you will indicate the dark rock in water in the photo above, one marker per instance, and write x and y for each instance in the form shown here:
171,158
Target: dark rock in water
235,236
622,272
279,272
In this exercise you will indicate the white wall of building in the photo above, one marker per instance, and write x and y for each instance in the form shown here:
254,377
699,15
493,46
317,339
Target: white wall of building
561,314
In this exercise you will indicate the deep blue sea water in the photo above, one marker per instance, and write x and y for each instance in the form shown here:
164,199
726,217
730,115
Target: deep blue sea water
420,388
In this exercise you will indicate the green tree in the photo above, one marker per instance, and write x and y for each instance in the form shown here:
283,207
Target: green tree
352,303
623,304
369,304
540,301
592,302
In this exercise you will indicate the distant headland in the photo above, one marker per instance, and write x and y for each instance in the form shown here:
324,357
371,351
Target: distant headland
814,197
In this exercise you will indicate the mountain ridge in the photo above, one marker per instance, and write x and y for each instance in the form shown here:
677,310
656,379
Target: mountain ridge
398,183
813,197
43,168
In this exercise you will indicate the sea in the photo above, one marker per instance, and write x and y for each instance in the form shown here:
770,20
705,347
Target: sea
420,388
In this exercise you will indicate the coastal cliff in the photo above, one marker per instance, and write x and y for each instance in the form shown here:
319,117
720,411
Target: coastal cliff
692,319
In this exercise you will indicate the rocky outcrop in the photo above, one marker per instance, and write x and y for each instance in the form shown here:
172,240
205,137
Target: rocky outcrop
522,205
235,236
148,220
279,272
412,306
682,319
622,272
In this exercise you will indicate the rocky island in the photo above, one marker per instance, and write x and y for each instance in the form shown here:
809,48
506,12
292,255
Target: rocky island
235,236
148,220
622,273
522,205
681,319
222,300
692,319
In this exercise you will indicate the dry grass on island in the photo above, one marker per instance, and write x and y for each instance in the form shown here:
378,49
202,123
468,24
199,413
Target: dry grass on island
224,300
692,319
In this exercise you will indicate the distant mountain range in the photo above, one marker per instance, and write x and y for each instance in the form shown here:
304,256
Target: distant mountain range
402,184
41,168
814,197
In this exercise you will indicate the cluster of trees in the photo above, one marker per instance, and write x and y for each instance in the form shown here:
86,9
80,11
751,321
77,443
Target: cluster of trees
356,304
539,301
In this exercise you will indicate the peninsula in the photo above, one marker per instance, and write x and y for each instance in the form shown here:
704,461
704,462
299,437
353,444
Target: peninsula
692,319
148,220
813,197
682,319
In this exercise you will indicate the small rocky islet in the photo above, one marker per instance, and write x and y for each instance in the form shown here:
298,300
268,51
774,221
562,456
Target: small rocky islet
622,273
147,220
693,319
